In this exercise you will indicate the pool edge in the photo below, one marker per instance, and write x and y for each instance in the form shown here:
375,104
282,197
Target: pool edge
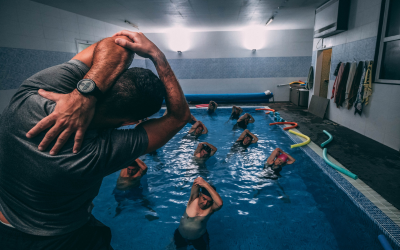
386,216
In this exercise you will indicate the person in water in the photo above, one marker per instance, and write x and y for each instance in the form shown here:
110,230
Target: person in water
198,129
246,138
275,162
236,111
130,176
212,106
244,120
205,150
129,187
203,202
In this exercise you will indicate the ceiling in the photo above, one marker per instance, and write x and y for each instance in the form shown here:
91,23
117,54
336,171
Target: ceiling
196,15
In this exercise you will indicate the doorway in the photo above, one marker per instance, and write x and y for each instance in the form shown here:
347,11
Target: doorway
323,71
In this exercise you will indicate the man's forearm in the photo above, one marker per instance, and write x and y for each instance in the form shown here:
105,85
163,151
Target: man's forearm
175,100
214,195
109,61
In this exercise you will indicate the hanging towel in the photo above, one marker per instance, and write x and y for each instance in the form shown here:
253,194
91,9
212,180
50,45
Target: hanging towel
355,84
341,90
350,79
337,69
310,79
368,84
337,80
358,105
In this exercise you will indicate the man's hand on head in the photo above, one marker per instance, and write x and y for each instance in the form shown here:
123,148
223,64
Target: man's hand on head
141,45
72,114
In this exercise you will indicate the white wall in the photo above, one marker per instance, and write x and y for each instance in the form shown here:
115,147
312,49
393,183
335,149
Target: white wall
380,119
29,25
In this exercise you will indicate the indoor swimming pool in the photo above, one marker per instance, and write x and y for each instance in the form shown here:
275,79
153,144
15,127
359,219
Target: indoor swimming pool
302,209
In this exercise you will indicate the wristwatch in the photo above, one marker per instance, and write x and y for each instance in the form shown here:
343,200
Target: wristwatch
89,87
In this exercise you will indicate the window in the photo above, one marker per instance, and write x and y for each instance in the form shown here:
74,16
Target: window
81,45
388,66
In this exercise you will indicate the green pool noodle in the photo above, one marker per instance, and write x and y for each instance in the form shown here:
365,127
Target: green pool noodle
327,141
344,171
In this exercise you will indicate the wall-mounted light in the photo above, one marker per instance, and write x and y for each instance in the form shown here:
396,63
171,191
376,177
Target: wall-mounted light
269,21
254,37
253,50
179,52
179,39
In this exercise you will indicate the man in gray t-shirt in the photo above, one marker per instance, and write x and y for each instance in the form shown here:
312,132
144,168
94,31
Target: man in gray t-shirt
43,195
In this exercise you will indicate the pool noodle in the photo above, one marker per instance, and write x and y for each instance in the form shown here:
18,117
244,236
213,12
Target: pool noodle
344,171
273,110
300,144
385,244
201,105
285,128
327,141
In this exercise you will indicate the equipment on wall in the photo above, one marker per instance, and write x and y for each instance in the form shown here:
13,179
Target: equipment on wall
331,18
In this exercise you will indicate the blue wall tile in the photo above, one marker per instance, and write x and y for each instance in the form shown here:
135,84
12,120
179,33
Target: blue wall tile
249,67
16,65
361,50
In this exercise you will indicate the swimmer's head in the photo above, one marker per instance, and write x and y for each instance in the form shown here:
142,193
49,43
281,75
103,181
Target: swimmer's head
136,94
132,169
205,151
280,160
247,140
205,200
199,130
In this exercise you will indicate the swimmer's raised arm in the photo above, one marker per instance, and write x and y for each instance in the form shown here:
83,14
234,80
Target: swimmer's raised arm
195,125
74,111
273,155
213,149
143,167
217,201
291,160
251,118
242,135
194,192
205,131
255,138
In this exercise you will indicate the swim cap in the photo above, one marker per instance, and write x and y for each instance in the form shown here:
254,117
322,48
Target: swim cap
283,157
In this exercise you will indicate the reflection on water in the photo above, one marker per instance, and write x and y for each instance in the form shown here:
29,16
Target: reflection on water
295,209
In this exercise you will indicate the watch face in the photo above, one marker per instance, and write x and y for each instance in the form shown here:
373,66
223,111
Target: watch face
86,86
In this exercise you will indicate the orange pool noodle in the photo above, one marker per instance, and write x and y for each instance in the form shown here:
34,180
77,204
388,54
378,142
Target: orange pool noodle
202,106
273,110
286,128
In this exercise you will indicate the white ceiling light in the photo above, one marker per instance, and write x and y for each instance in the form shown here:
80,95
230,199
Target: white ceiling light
269,21
179,39
254,38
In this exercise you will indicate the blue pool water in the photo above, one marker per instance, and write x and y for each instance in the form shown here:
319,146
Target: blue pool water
303,209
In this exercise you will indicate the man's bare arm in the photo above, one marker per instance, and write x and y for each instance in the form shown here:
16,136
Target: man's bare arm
217,201
273,155
194,192
213,149
74,112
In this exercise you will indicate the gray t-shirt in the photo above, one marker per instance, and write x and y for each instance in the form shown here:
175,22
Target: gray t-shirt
49,195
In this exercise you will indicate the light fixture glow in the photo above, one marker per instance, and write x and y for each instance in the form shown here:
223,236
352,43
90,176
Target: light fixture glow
269,21
254,37
179,39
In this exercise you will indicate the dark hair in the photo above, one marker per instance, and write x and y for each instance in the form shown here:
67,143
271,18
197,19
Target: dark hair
207,148
205,191
247,135
137,93
134,164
